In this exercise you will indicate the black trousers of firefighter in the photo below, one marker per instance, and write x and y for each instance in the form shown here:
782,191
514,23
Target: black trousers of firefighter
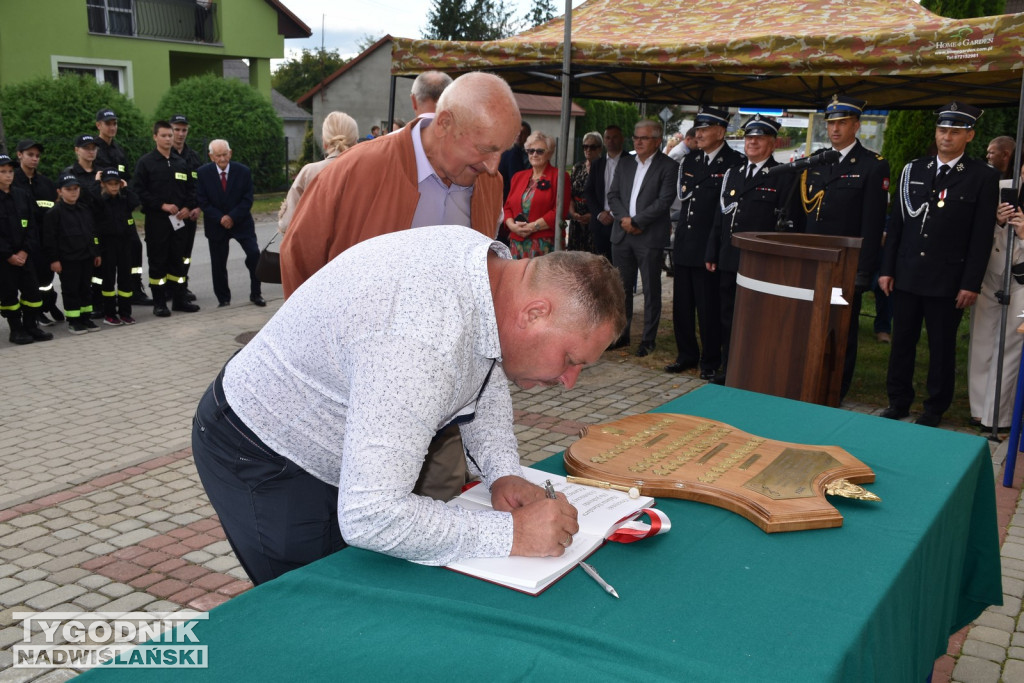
167,251
118,283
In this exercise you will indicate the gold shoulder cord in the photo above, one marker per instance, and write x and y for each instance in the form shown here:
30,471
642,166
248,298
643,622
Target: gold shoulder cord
810,203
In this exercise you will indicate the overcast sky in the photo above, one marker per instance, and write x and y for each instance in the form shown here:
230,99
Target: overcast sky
342,26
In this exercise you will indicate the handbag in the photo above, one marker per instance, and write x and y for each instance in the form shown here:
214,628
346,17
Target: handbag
1017,270
268,268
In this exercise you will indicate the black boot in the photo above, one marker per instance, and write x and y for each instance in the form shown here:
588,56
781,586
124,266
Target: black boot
28,321
18,335
139,294
160,309
181,302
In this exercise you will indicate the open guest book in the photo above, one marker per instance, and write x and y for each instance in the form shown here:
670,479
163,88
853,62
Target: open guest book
601,513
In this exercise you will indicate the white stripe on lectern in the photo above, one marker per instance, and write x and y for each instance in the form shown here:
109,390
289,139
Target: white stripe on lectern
786,291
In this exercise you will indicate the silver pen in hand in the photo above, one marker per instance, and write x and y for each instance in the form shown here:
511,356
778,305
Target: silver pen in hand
597,577
549,490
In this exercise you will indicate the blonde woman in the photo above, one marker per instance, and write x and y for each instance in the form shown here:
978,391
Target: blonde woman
339,132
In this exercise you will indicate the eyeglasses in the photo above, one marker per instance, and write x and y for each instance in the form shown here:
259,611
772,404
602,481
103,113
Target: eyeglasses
591,146
533,151
645,138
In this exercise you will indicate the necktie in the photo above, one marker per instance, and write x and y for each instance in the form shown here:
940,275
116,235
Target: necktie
751,168
224,180
943,171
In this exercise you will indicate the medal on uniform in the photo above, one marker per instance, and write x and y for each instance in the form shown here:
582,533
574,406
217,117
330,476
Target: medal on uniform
942,199
682,190
732,192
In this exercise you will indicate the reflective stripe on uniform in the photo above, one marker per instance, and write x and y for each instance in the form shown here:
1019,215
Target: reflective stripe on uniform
124,295
137,270
157,281
13,307
175,278
32,304
110,294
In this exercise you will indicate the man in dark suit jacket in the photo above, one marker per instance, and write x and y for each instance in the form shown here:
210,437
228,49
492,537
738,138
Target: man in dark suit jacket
849,199
940,235
694,287
225,196
640,197
599,180
752,200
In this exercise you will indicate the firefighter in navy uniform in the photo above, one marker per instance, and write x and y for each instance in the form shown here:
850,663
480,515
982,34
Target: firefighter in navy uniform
849,199
694,287
109,154
19,239
751,201
167,193
935,256
179,126
43,192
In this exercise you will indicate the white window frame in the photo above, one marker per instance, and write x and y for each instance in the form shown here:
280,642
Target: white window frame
124,66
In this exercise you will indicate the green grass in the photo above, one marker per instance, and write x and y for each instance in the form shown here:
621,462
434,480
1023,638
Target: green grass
868,385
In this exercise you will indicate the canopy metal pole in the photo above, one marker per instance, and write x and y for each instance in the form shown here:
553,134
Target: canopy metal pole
391,104
1014,443
563,152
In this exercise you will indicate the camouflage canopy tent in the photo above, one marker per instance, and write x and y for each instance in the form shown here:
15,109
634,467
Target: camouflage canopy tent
892,53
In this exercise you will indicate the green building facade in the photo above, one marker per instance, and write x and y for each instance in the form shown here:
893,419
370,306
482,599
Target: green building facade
143,47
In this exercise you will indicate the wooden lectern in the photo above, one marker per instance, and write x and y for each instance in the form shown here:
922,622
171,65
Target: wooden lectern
792,314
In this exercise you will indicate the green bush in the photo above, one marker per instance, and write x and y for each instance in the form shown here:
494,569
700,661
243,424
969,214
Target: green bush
310,150
230,109
56,111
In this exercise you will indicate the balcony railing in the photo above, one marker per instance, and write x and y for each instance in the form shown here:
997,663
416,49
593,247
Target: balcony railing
182,20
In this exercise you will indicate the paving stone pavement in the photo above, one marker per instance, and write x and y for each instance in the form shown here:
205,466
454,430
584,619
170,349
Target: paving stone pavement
101,507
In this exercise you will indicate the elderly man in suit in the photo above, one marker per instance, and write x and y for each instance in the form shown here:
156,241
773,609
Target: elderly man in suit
225,196
940,235
640,197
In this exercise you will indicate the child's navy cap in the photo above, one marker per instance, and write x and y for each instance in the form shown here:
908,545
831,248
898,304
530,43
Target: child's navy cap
5,160
83,140
67,180
109,174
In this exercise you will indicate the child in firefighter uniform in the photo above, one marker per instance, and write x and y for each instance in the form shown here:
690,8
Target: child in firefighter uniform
72,249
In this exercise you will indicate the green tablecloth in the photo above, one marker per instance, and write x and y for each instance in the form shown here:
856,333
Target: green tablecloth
716,599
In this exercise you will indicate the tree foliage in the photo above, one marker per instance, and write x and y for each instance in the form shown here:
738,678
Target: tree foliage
541,11
56,111
911,134
469,20
230,109
297,76
601,114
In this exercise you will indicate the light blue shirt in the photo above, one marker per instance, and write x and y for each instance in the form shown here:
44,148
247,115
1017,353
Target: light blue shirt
439,204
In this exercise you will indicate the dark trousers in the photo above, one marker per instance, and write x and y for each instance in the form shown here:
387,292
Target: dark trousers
695,290
15,279
219,262
188,238
166,249
850,362
601,238
276,516
630,255
75,284
727,303
118,284
941,318
136,262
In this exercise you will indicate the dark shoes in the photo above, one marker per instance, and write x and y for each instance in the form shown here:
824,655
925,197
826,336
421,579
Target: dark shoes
679,366
892,413
258,300
161,311
619,343
222,303
928,419
184,306
644,350
189,295
139,297
708,375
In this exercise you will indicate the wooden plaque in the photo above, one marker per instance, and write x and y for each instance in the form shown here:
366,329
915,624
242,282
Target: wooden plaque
778,486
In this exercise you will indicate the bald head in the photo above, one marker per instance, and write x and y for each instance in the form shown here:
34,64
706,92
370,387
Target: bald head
477,119
427,89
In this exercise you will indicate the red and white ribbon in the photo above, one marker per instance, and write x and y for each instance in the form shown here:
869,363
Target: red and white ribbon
635,530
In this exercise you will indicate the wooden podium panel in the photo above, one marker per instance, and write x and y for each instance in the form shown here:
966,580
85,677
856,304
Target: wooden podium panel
779,486
792,314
